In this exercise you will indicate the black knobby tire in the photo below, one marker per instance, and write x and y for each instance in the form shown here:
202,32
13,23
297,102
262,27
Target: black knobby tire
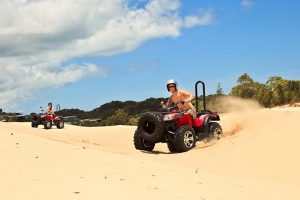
151,127
47,124
60,124
34,125
141,144
171,147
185,138
215,131
36,119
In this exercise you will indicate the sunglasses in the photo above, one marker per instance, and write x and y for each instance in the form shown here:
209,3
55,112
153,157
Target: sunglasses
172,86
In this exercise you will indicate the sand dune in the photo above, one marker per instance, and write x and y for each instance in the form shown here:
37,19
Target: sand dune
257,158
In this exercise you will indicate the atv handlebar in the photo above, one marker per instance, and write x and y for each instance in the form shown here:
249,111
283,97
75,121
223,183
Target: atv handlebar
175,107
180,101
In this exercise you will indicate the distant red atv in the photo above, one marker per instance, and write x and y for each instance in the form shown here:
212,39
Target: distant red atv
47,120
179,130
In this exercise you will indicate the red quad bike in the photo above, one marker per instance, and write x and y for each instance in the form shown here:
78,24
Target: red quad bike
179,130
47,120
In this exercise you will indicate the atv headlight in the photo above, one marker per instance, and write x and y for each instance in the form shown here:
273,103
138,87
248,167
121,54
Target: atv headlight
167,118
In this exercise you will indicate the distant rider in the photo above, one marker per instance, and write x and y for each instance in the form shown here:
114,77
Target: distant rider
50,109
180,95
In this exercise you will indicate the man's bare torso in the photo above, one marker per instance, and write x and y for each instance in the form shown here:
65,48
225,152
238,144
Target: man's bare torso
181,95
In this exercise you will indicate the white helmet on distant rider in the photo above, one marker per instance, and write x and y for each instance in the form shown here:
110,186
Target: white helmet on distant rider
172,81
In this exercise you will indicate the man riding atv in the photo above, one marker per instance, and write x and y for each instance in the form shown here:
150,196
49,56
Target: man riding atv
180,126
47,118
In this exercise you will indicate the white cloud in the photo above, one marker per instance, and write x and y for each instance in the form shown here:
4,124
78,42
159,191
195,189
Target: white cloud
204,18
247,4
37,36
20,82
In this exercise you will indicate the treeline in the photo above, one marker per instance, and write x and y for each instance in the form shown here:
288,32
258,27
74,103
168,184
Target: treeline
276,91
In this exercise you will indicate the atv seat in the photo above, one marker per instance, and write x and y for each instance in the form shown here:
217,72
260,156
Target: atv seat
198,114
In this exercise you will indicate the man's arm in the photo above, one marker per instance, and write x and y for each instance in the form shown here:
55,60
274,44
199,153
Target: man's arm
46,109
168,104
188,97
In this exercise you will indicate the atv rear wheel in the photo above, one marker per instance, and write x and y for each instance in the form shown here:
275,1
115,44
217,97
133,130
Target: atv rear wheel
141,144
47,124
185,138
151,127
60,124
215,132
34,124
36,119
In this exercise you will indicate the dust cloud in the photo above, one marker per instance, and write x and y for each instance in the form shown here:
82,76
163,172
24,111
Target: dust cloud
235,113
231,104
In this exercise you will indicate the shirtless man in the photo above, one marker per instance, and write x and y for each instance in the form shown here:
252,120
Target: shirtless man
180,95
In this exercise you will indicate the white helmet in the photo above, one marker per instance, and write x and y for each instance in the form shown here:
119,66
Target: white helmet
172,81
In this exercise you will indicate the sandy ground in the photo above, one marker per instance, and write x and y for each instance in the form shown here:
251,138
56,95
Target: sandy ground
258,157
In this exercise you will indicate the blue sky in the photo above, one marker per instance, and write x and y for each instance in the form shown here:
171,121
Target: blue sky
83,54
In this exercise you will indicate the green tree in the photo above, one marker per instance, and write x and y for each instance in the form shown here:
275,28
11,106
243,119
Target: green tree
133,121
119,118
219,89
278,87
293,93
263,94
245,87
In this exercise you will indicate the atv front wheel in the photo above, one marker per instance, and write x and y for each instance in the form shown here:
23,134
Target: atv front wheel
47,124
185,138
141,144
60,124
151,126
171,147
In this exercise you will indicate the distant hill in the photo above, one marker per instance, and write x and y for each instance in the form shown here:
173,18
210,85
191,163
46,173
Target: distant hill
108,109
